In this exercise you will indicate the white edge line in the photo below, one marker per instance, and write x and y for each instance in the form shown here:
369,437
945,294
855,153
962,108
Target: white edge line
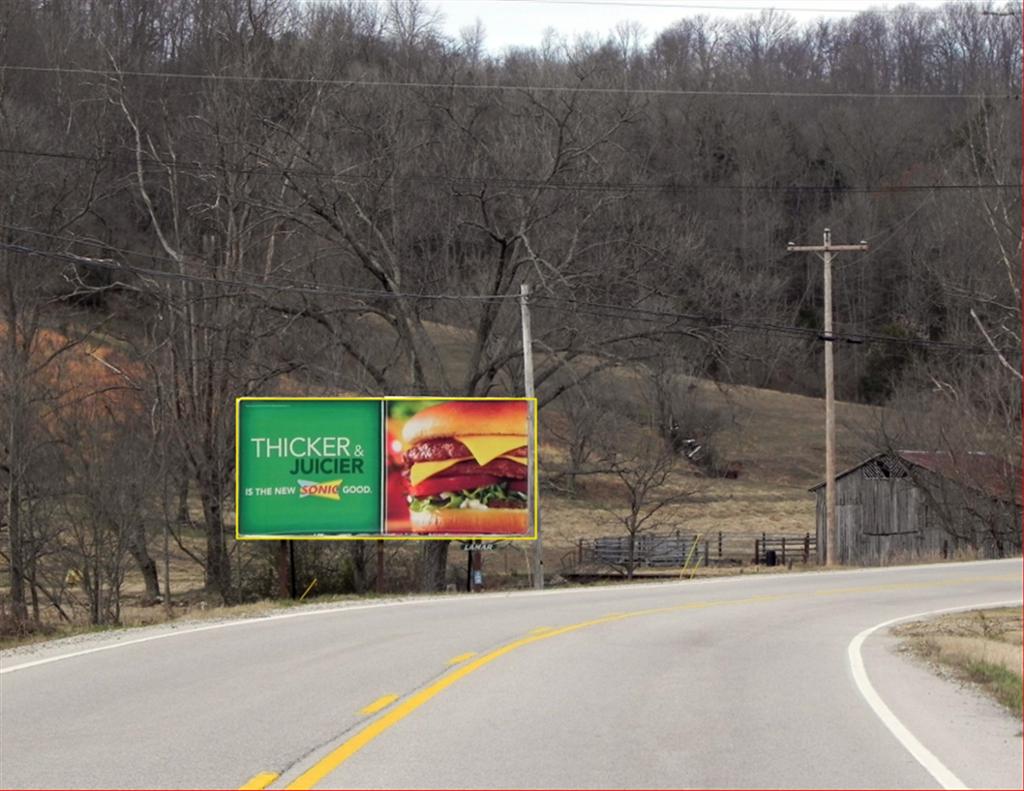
209,627
921,754
187,630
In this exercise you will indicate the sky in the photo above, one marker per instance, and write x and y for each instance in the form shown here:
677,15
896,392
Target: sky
523,22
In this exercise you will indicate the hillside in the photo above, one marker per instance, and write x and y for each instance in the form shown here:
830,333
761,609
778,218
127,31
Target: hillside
772,440
775,440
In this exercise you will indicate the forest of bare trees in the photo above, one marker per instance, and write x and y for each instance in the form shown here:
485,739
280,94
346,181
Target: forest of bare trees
218,198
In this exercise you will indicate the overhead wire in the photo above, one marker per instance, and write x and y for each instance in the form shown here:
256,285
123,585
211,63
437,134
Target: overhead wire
354,293
586,307
203,167
616,311
576,89
312,286
897,7
900,6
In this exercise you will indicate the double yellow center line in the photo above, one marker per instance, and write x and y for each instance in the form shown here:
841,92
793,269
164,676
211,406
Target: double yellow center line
372,730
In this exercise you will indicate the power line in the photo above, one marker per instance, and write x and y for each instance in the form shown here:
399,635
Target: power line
609,310
584,307
581,89
714,6
696,6
352,293
202,167
288,280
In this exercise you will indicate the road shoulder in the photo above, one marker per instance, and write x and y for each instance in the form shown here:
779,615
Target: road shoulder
976,738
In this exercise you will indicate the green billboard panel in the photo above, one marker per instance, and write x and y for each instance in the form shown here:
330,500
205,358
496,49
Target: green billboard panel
309,467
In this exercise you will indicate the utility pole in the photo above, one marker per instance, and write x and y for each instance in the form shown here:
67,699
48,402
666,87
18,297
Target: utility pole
537,566
826,250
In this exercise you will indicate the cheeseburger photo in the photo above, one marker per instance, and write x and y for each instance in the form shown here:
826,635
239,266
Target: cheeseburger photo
466,468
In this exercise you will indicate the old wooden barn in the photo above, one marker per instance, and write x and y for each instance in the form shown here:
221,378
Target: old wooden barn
906,506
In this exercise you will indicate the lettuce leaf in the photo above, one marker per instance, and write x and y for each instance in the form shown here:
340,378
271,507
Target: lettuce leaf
478,498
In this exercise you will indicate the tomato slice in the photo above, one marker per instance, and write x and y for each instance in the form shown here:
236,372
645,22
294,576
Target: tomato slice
452,483
517,486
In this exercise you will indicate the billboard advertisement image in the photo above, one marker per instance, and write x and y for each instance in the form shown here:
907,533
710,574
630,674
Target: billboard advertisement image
466,467
384,468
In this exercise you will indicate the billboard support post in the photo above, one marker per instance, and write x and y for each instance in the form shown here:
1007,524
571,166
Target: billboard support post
291,568
283,585
477,564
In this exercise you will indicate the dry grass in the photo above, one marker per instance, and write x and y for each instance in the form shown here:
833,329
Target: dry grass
780,437
983,647
977,649
740,506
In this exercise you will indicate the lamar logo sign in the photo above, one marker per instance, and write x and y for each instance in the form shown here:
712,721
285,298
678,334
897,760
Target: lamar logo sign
329,490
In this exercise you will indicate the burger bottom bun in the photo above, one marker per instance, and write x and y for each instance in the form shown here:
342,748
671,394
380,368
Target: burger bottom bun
467,521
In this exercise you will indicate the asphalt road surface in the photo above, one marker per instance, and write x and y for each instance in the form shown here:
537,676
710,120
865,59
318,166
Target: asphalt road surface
746,682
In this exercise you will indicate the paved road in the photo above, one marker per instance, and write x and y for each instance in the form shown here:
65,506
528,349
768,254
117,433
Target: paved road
737,682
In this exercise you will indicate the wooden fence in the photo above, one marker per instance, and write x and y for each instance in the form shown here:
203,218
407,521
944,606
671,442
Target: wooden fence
779,550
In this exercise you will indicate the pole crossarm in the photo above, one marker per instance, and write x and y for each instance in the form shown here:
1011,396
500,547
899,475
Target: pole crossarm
827,248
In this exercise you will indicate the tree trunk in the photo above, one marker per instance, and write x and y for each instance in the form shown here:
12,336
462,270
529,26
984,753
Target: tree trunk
357,553
183,515
433,565
147,566
33,590
282,562
16,546
218,567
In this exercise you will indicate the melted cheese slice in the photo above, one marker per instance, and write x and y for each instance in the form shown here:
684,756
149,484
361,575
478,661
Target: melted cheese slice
426,469
486,448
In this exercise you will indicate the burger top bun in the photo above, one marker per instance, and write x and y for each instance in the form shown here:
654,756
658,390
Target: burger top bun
466,418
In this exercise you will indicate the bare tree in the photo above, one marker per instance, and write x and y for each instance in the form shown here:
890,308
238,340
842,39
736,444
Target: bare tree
648,474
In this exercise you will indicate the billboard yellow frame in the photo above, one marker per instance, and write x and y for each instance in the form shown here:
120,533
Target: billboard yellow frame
535,444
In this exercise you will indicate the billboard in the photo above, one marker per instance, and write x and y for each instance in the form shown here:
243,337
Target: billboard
385,468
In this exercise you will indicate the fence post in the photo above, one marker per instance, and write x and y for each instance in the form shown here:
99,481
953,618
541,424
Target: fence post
579,550
719,544
705,553
757,554
783,550
807,547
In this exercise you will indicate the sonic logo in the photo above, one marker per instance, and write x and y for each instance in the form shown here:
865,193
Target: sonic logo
330,490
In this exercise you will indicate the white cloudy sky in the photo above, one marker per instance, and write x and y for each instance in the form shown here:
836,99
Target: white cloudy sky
523,22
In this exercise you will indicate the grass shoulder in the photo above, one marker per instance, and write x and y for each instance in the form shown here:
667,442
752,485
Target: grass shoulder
981,647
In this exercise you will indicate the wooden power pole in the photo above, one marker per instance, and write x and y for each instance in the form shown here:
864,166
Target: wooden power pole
537,564
827,250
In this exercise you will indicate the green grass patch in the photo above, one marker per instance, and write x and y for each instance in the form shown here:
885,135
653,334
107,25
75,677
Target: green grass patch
1002,684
